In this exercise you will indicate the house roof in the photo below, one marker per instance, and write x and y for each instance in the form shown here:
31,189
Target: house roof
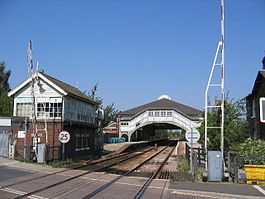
70,90
257,83
166,104
62,87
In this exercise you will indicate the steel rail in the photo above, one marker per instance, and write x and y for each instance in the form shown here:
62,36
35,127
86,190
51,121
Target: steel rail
144,187
78,167
80,175
121,176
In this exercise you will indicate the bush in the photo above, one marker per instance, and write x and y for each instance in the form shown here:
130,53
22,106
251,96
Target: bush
252,148
61,164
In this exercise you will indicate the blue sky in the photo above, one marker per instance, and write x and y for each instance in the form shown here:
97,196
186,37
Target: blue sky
135,49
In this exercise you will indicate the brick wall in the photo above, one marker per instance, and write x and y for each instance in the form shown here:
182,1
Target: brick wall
78,132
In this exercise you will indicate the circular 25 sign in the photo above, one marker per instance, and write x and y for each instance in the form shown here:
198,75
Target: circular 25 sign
64,137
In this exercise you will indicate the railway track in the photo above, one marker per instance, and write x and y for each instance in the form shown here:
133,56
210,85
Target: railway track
90,170
85,166
99,165
146,184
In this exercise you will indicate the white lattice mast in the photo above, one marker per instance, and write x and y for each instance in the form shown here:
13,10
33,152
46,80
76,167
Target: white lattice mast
219,53
34,85
33,81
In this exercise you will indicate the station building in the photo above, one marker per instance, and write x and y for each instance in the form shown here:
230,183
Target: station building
144,122
58,107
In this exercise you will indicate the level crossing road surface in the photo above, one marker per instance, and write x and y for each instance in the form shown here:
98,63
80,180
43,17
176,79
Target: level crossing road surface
214,190
12,171
7,173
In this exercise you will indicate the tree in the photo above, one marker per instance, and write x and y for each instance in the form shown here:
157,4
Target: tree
235,124
4,76
6,102
110,113
92,95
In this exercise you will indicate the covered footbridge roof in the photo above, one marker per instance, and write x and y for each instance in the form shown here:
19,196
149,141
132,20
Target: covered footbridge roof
163,104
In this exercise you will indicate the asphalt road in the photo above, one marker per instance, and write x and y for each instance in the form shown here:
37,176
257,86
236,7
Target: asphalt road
175,190
199,189
7,173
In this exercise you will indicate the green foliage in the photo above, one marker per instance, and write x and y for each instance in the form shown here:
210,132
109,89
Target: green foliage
92,95
6,102
61,164
110,113
183,164
251,148
165,133
235,124
6,106
4,76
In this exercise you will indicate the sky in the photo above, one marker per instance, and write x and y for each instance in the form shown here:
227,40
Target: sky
136,50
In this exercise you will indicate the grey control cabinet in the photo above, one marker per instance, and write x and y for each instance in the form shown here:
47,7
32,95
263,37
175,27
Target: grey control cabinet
214,166
42,156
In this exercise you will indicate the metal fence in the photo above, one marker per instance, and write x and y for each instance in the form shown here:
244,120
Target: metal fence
5,139
27,153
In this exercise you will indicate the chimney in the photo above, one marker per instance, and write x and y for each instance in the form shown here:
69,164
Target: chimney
263,63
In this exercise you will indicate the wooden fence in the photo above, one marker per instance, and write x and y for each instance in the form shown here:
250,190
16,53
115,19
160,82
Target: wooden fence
198,155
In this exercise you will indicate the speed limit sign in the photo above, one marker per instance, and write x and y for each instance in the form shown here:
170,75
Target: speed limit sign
64,137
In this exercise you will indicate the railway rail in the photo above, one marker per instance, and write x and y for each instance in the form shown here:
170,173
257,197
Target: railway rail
147,183
99,165
85,165
91,167
80,175
77,167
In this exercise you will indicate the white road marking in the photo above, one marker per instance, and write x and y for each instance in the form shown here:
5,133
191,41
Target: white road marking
259,189
21,193
213,194
198,195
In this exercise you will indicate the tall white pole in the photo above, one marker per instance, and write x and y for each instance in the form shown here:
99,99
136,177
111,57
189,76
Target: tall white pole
223,78
220,46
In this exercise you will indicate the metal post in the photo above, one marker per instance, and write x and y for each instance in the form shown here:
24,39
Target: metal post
25,138
63,152
33,80
195,165
191,156
223,85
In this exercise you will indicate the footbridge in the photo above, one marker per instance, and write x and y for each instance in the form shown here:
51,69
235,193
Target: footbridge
145,121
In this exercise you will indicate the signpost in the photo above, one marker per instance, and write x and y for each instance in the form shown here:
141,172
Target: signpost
192,137
64,137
